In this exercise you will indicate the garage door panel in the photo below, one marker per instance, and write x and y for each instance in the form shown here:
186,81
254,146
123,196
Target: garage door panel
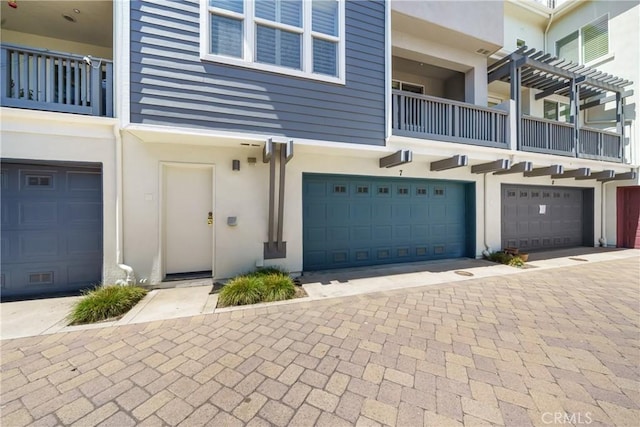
78,213
315,212
51,228
84,273
382,232
338,234
35,244
80,242
391,220
382,213
544,217
84,181
419,232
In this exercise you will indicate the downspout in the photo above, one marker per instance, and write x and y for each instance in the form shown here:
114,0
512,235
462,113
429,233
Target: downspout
603,234
119,187
546,30
487,249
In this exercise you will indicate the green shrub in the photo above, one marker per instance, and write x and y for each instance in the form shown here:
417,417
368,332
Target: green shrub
241,290
516,261
105,302
278,287
500,257
266,271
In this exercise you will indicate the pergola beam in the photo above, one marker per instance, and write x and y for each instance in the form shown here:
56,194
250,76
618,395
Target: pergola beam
549,170
553,89
605,174
602,99
498,165
517,168
450,163
398,158
601,84
620,177
575,173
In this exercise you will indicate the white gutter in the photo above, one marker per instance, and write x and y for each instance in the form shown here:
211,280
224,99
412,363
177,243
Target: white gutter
546,30
487,249
119,196
603,234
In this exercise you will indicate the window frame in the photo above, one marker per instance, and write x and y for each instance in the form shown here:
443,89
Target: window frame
580,34
250,21
402,83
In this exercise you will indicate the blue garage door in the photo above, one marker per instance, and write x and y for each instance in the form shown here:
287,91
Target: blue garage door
354,221
51,228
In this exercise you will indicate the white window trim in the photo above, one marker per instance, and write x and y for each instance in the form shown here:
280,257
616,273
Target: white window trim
249,37
606,57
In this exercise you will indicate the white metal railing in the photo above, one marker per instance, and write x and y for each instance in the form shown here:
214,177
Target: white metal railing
40,79
425,116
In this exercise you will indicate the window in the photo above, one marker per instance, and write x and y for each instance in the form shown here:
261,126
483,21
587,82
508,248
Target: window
587,44
298,37
407,87
557,111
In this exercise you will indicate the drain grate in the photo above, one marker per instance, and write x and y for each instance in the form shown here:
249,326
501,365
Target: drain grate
579,259
463,273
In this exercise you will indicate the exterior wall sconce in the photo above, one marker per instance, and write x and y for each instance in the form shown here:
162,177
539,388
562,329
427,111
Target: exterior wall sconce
235,165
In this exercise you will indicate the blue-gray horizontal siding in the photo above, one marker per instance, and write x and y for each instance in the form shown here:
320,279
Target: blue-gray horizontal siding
171,85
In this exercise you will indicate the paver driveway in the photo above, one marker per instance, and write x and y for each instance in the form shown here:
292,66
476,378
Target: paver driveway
543,347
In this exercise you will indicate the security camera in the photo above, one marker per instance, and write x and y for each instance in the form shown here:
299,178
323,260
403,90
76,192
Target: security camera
87,60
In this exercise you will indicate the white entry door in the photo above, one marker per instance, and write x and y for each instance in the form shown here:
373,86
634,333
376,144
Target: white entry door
188,218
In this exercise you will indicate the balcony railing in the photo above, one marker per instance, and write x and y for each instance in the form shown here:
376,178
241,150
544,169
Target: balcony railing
551,137
428,117
40,79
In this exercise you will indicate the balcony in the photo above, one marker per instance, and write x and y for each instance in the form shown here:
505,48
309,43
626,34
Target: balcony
548,136
428,117
40,79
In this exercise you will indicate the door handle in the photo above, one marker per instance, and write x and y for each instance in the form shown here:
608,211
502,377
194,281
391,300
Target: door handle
210,219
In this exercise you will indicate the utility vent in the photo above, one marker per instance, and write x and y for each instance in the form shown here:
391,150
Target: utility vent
483,51
41,278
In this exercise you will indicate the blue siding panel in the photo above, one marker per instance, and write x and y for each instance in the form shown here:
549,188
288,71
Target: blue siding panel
171,86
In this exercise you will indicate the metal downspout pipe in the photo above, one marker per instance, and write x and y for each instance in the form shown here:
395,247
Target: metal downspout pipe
487,250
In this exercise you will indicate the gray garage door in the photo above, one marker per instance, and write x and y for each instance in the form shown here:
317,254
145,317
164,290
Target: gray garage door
51,228
546,217
353,221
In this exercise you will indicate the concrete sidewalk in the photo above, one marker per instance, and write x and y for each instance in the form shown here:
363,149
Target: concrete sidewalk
47,316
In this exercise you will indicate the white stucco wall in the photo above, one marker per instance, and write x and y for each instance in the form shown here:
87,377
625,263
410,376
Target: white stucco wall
479,19
244,194
56,137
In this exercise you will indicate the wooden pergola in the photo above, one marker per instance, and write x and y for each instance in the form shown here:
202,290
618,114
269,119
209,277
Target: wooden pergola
550,75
